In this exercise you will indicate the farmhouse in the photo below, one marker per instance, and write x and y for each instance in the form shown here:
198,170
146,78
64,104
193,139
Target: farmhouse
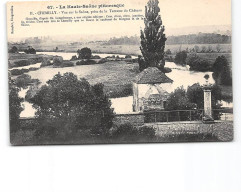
150,90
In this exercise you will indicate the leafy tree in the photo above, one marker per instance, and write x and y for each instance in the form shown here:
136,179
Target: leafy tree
178,100
221,71
71,104
180,58
152,37
84,53
15,107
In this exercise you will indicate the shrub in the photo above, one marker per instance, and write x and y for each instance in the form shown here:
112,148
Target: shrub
57,60
67,63
128,56
46,62
22,63
102,61
84,53
73,58
86,62
129,133
14,49
95,57
180,58
16,72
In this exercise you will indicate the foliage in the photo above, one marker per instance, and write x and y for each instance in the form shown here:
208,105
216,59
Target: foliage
152,37
15,107
73,58
86,62
73,103
57,60
30,50
198,64
221,72
46,62
201,38
14,49
22,63
129,133
195,95
25,80
193,99
128,56
181,57
133,40
178,100
84,53
168,52
16,72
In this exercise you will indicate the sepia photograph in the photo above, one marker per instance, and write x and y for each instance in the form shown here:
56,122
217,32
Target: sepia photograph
120,72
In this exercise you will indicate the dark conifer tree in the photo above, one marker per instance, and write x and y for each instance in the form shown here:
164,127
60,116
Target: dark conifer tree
152,37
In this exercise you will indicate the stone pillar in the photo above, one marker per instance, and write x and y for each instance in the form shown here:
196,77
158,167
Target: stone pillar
207,118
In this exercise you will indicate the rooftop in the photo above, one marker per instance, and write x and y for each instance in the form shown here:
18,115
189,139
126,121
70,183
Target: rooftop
152,75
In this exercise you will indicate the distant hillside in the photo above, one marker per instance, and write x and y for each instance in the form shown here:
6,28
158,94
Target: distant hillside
201,38
217,29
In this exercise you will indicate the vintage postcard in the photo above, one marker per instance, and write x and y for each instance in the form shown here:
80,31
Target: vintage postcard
111,71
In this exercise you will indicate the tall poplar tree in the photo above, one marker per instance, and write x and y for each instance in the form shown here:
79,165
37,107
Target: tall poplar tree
152,38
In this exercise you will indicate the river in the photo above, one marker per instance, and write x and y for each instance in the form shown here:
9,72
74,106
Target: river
180,75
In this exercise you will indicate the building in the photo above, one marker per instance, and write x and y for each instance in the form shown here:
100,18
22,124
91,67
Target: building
150,90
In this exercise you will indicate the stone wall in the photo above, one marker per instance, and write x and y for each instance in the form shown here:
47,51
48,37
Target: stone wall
134,118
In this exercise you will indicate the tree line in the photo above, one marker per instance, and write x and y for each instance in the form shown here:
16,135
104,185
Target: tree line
201,38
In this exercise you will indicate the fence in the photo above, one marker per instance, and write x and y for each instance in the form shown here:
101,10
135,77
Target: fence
185,115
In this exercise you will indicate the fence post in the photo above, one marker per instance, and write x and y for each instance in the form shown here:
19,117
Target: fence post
190,115
155,117
178,113
167,116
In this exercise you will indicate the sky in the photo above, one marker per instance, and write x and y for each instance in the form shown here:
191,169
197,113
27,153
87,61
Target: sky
174,13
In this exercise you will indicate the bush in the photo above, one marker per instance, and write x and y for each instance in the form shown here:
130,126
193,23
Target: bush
16,72
102,61
84,53
46,62
57,60
95,57
129,133
73,58
67,63
30,50
128,56
14,49
180,58
22,63
86,62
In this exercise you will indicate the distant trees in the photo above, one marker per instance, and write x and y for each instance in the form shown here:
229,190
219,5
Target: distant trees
67,103
133,40
14,49
221,71
84,53
30,50
201,38
152,38
181,57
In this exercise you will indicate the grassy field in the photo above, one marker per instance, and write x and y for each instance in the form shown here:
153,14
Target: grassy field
117,77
